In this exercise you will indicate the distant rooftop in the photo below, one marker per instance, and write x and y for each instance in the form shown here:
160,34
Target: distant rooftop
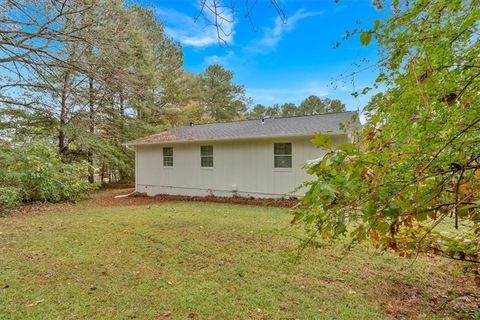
249,129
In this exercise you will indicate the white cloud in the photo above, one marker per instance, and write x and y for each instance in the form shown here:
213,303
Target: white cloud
272,36
269,40
224,60
195,33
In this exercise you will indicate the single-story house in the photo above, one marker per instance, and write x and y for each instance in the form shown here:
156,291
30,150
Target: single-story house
262,158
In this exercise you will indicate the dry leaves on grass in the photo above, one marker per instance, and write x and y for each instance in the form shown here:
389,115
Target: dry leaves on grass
35,303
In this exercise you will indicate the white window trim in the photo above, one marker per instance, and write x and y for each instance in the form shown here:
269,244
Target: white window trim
274,155
213,157
163,159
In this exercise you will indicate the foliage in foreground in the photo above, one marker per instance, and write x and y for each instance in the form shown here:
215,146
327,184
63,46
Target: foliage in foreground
34,172
412,183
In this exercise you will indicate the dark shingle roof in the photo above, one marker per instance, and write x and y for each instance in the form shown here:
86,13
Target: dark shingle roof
245,129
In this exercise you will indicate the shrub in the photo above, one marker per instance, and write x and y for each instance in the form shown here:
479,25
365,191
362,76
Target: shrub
9,198
36,170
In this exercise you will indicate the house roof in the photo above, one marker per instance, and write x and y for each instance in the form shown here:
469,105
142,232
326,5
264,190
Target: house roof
248,129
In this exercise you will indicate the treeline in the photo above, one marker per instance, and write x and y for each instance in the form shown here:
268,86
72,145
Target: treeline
81,77
311,105
87,76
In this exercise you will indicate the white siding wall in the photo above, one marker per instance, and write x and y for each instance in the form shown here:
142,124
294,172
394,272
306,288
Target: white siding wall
247,164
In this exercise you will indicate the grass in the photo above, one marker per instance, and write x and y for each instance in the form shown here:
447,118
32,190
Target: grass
202,260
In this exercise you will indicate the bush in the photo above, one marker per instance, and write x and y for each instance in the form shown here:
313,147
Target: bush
9,198
38,173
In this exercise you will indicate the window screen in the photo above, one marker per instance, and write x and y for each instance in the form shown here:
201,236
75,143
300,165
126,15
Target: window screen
168,157
282,154
206,156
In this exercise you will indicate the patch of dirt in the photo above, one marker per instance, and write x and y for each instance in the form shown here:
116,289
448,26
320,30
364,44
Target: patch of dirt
464,306
403,300
118,185
142,199
39,208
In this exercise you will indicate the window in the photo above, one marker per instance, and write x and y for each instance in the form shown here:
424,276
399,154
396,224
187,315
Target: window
282,155
168,157
206,155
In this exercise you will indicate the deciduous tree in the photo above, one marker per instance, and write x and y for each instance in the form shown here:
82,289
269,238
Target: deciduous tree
412,182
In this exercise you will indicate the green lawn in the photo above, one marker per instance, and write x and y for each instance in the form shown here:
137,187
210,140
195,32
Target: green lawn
203,261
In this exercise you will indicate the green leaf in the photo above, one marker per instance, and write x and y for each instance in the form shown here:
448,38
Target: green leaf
421,216
322,140
366,37
366,90
370,208
391,210
347,147
464,210
382,226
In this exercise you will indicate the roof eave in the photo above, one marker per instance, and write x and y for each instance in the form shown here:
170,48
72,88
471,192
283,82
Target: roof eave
332,133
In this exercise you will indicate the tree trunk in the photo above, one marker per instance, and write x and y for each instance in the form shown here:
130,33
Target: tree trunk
102,174
122,105
91,106
63,116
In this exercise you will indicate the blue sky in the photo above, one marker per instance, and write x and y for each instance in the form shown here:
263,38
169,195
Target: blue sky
281,61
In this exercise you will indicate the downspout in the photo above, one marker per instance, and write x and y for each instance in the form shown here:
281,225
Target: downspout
136,170
134,148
